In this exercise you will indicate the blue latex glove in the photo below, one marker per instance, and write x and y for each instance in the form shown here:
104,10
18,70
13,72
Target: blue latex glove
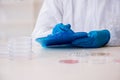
62,34
61,28
95,39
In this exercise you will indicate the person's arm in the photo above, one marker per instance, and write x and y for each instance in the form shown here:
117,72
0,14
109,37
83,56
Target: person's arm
49,16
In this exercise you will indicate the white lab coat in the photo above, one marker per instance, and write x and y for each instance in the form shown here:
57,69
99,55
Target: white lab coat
83,15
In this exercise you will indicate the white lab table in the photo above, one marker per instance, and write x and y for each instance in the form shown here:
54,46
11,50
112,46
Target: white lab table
47,65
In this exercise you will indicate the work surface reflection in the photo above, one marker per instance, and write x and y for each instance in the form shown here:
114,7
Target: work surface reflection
62,64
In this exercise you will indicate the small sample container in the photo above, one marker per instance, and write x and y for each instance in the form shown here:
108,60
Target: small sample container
20,48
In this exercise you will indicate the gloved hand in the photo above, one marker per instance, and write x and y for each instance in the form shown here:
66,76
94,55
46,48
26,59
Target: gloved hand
95,39
61,34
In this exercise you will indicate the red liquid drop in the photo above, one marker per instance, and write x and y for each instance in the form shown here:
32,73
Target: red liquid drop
69,61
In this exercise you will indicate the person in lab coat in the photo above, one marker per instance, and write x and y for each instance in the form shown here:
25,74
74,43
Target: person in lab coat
82,15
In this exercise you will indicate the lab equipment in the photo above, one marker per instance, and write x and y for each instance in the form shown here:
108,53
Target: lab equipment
95,39
20,48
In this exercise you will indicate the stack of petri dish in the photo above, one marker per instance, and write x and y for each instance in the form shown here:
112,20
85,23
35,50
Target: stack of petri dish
20,48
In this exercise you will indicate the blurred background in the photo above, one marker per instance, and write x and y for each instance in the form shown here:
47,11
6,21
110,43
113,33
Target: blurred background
18,17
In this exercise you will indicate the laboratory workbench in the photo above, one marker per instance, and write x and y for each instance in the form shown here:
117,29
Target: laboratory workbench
63,64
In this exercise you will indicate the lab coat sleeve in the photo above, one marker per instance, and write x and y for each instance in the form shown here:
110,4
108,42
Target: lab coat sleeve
49,16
